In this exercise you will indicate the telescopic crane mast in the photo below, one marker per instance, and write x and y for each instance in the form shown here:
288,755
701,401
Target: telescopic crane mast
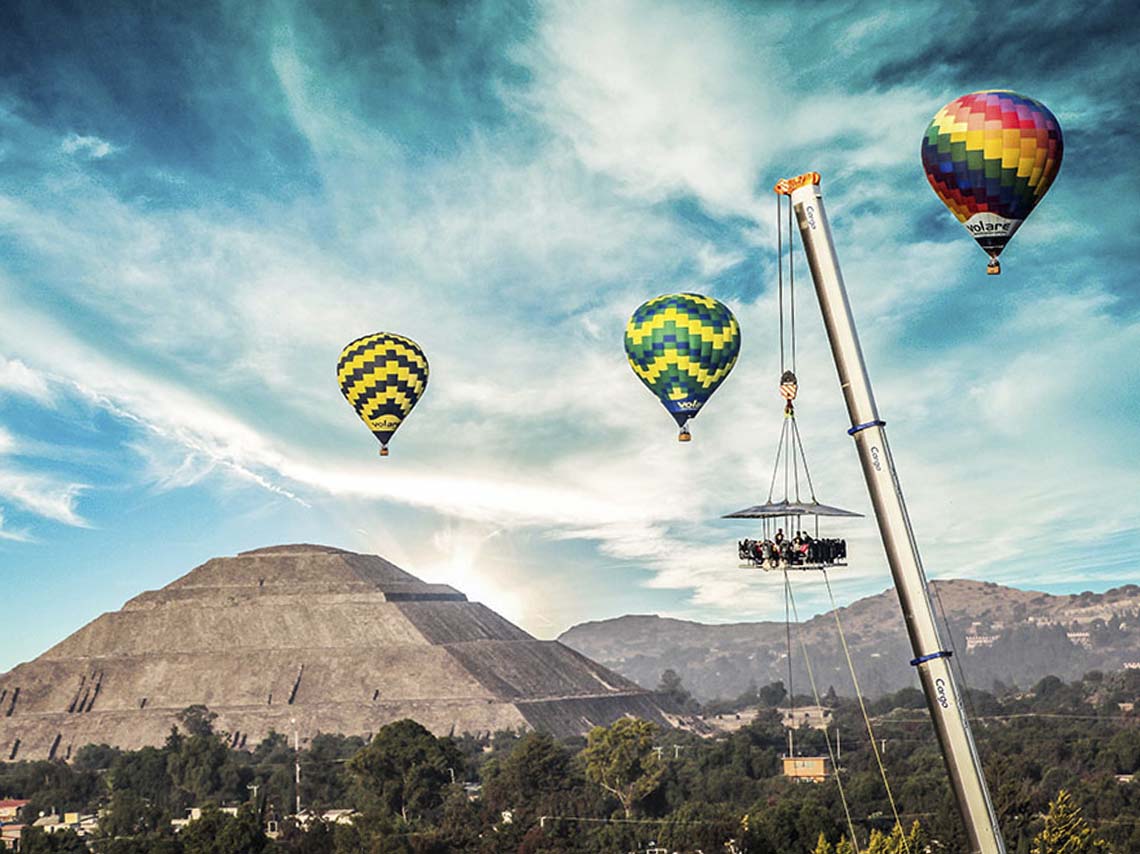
931,657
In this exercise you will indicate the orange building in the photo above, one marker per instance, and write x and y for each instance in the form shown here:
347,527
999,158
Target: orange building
809,769
10,809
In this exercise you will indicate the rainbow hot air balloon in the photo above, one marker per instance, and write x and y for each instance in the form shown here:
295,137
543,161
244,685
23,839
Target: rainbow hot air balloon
991,156
682,346
382,376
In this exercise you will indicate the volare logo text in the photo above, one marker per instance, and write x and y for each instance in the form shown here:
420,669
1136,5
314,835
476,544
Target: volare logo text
987,227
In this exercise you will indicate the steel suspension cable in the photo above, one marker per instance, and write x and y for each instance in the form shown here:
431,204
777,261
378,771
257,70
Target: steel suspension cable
956,659
791,284
785,449
776,467
863,709
787,466
780,275
803,457
794,479
788,630
819,703
795,457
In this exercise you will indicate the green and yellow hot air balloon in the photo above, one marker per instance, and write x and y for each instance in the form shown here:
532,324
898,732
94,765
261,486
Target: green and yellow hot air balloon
383,376
682,346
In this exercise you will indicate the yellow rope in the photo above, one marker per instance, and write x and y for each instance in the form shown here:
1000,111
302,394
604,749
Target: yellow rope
819,703
866,717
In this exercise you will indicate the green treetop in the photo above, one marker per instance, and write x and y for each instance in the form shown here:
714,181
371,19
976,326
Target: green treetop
622,761
404,770
1066,831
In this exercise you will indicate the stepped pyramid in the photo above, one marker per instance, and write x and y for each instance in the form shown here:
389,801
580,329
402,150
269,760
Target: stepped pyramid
337,641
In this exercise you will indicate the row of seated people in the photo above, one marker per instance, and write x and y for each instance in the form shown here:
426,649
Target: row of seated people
801,549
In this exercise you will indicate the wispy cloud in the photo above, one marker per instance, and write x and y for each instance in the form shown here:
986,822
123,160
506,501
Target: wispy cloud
7,533
18,378
87,146
42,496
38,494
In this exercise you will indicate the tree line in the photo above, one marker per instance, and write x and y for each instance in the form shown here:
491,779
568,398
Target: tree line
1056,758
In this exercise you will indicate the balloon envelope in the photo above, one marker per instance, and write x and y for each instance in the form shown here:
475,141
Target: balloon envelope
990,156
383,376
682,346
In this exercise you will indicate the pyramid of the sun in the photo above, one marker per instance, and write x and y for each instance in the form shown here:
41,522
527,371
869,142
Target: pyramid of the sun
338,642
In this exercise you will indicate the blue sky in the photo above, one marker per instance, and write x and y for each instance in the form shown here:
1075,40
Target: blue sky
200,204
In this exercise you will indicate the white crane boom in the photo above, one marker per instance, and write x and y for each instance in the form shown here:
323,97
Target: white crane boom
930,656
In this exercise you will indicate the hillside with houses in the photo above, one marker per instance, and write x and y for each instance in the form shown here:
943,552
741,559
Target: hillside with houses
1002,636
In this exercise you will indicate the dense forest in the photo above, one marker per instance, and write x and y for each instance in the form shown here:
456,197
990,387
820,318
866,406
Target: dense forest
1056,757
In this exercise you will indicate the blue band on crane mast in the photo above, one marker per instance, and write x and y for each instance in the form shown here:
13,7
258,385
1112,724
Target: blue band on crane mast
922,659
859,427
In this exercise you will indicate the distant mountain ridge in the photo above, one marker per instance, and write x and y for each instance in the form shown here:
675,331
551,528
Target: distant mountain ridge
999,633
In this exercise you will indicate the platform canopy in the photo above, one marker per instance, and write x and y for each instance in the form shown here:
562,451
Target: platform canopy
777,509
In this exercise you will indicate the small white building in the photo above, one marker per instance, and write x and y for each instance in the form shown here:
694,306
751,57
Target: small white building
816,717
195,813
1080,639
975,641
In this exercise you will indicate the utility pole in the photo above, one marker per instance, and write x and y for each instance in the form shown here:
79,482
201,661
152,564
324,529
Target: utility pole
930,656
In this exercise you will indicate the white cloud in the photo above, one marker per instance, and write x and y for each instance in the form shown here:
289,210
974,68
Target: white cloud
665,97
18,378
42,495
88,146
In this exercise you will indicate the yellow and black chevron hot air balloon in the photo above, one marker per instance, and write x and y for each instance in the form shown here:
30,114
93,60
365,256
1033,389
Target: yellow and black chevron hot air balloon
383,376
682,346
